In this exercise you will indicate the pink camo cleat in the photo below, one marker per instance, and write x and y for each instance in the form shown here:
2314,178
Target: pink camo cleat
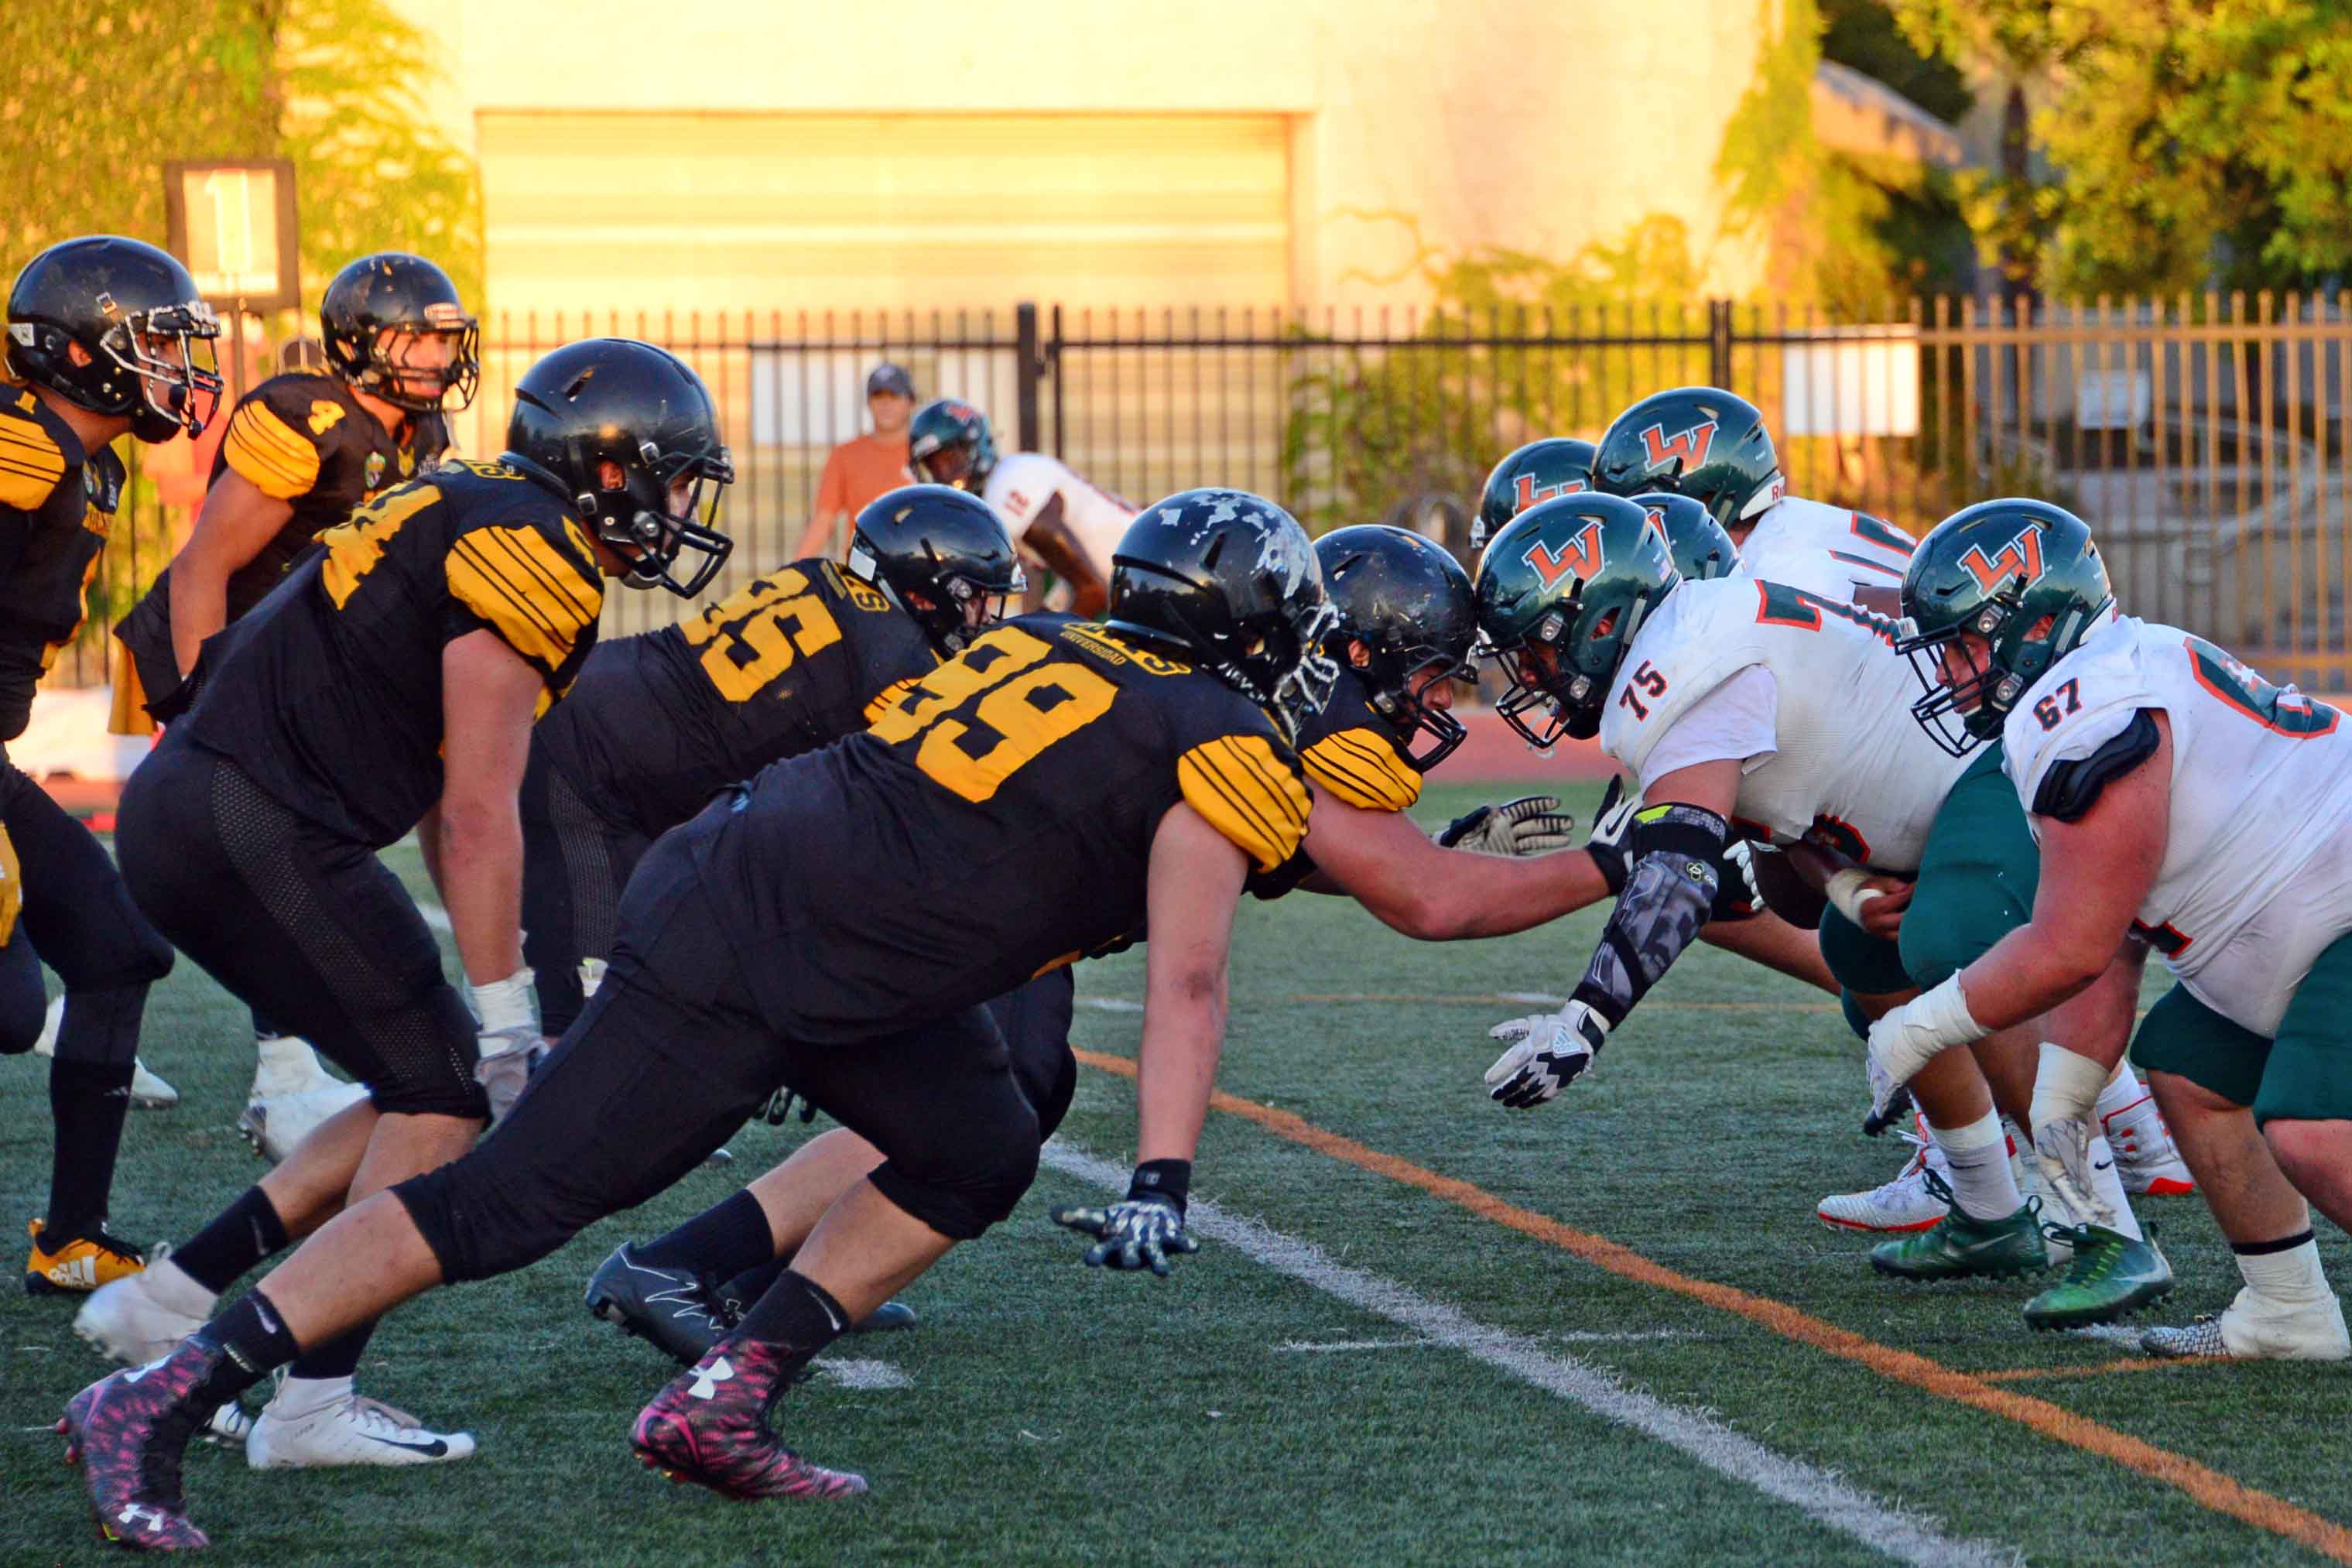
711,1427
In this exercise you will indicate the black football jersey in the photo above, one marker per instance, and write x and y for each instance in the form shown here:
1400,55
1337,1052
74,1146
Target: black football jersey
329,693
56,502
301,439
995,822
1357,753
659,721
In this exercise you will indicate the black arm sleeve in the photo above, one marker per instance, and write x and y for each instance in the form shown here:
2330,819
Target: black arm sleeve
2069,790
1669,894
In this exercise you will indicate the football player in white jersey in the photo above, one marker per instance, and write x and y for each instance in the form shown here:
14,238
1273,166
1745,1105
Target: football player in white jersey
2184,803
1712,446
1068,524
1749,702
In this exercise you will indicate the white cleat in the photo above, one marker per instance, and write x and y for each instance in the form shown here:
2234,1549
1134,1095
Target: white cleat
141,1319
274,1126
347,1429
1900,1204
2146,1156
2256,1328
148,1092
229,1427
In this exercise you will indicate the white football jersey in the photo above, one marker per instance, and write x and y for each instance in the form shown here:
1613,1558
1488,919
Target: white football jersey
1850,770
2257,873
1023,482
1823,549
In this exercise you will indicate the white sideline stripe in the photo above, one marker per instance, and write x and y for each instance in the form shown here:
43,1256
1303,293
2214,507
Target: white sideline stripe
1109,1004
1816,1493
1574,1337
862,1372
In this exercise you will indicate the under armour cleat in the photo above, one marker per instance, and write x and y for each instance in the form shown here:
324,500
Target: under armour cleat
76,1265
2112,1277
130,1431
2147,1160
709,1426
1900,1204
1960,1246
140,1317
2256,1328
148,1092
347,1429
667,1308
277,1124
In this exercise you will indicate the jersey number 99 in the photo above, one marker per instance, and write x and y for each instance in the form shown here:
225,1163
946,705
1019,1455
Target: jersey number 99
984,716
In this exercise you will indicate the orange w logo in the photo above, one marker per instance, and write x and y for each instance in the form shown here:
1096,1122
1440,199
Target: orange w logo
2020,557
1528,494
1580,557
1691,446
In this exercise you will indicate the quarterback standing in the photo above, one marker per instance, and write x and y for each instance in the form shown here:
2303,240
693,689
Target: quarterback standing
1065,523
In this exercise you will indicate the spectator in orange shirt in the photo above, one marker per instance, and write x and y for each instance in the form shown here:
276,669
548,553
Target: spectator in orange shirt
863,468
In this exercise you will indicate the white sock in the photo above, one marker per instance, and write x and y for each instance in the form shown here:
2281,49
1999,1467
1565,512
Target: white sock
2107,1188
300,1396
282,1054
176,1288
2124,1090
2293,1277
1982,1183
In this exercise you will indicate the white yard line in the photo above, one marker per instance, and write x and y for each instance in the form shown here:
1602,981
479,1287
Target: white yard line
862,1372
1818,1494
1574,1337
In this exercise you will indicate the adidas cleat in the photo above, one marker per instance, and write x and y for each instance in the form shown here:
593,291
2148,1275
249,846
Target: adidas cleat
709,1426
1960,1246
77,1265
349,1430
667,1308
2256,1328
2112,1277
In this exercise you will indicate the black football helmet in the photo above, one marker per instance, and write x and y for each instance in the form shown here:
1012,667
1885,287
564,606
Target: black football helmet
1702,551
408,296
1555,466
949,443
1410,604
941,555
644,409
1228,581
134,310
1695,441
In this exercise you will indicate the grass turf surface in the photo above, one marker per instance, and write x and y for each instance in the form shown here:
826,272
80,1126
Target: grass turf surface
1060,1414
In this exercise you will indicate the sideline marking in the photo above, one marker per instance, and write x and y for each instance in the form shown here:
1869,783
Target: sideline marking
1576,1337
1820,1496
2206,1487
2100,1369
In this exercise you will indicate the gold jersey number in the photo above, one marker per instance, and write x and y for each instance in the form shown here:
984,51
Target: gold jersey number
989,714
754,636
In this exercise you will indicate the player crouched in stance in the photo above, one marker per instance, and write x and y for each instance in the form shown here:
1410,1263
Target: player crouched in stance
391,682
1136,771
102,338
2182,803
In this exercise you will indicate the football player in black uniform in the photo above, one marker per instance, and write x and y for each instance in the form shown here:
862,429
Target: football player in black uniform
104,340
300,451
391,682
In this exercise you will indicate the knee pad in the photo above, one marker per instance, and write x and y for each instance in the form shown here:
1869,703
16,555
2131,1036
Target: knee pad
960,1191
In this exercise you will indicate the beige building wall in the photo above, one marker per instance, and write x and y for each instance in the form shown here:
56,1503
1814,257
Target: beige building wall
1407,130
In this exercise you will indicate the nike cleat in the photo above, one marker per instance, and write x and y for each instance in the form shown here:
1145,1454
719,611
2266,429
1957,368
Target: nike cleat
2112,1277
139,1319
2256,1328
1960,1246
1902,1204
709,1426
148,1092
2147,1160
348,1429
130,1431
667,1308
77,1265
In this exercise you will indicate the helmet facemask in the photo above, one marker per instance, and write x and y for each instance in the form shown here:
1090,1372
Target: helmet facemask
169,350
636,519
1306,687
2016,657
952,605
388,366
1398,678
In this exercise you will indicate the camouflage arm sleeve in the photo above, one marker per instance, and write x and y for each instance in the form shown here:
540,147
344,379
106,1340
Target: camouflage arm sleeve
1668,896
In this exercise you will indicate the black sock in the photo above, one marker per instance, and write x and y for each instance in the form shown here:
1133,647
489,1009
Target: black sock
336,1358
722,1241
255,1341
798,1314
88,1102
246,1233
752,1283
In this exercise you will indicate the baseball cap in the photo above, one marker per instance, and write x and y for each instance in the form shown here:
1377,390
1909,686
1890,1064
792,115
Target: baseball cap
889,377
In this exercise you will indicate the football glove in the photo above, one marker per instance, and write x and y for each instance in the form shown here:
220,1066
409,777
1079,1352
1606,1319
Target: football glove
1531,825
1133,1233
1736,896
778,1109
510,1045
1550,1051
1610,828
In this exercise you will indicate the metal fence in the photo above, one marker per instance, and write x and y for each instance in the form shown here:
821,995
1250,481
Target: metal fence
2205,438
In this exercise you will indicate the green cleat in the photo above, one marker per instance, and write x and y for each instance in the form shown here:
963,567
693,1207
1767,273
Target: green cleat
1960,1246
2113,1277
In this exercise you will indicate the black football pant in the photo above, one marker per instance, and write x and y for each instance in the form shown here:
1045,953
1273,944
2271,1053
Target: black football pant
670,1057
310,929
574,864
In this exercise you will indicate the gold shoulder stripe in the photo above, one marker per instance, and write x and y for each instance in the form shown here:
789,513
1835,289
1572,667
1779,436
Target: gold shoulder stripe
269,453
1247,794
30,463
521,586
1363,770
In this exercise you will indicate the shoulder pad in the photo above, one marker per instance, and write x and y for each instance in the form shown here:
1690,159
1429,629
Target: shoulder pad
32,459
2070,789
1361,768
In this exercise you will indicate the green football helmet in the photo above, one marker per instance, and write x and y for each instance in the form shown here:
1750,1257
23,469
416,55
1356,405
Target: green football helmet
1695,441
1537,471
1702,551
2021,575
1561,591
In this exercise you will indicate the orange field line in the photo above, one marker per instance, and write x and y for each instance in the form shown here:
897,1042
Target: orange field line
2202,1484
2100,1369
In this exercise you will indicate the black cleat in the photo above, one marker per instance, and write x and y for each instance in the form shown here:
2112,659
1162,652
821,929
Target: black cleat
670,1309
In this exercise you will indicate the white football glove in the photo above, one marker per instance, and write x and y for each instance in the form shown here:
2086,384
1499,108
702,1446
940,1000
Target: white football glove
509,1043
1551,1051
1531,825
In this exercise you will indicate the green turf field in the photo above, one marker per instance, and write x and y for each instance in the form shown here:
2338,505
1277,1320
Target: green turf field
1354,1368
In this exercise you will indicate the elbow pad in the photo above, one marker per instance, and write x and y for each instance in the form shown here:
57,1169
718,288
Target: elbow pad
1669,894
